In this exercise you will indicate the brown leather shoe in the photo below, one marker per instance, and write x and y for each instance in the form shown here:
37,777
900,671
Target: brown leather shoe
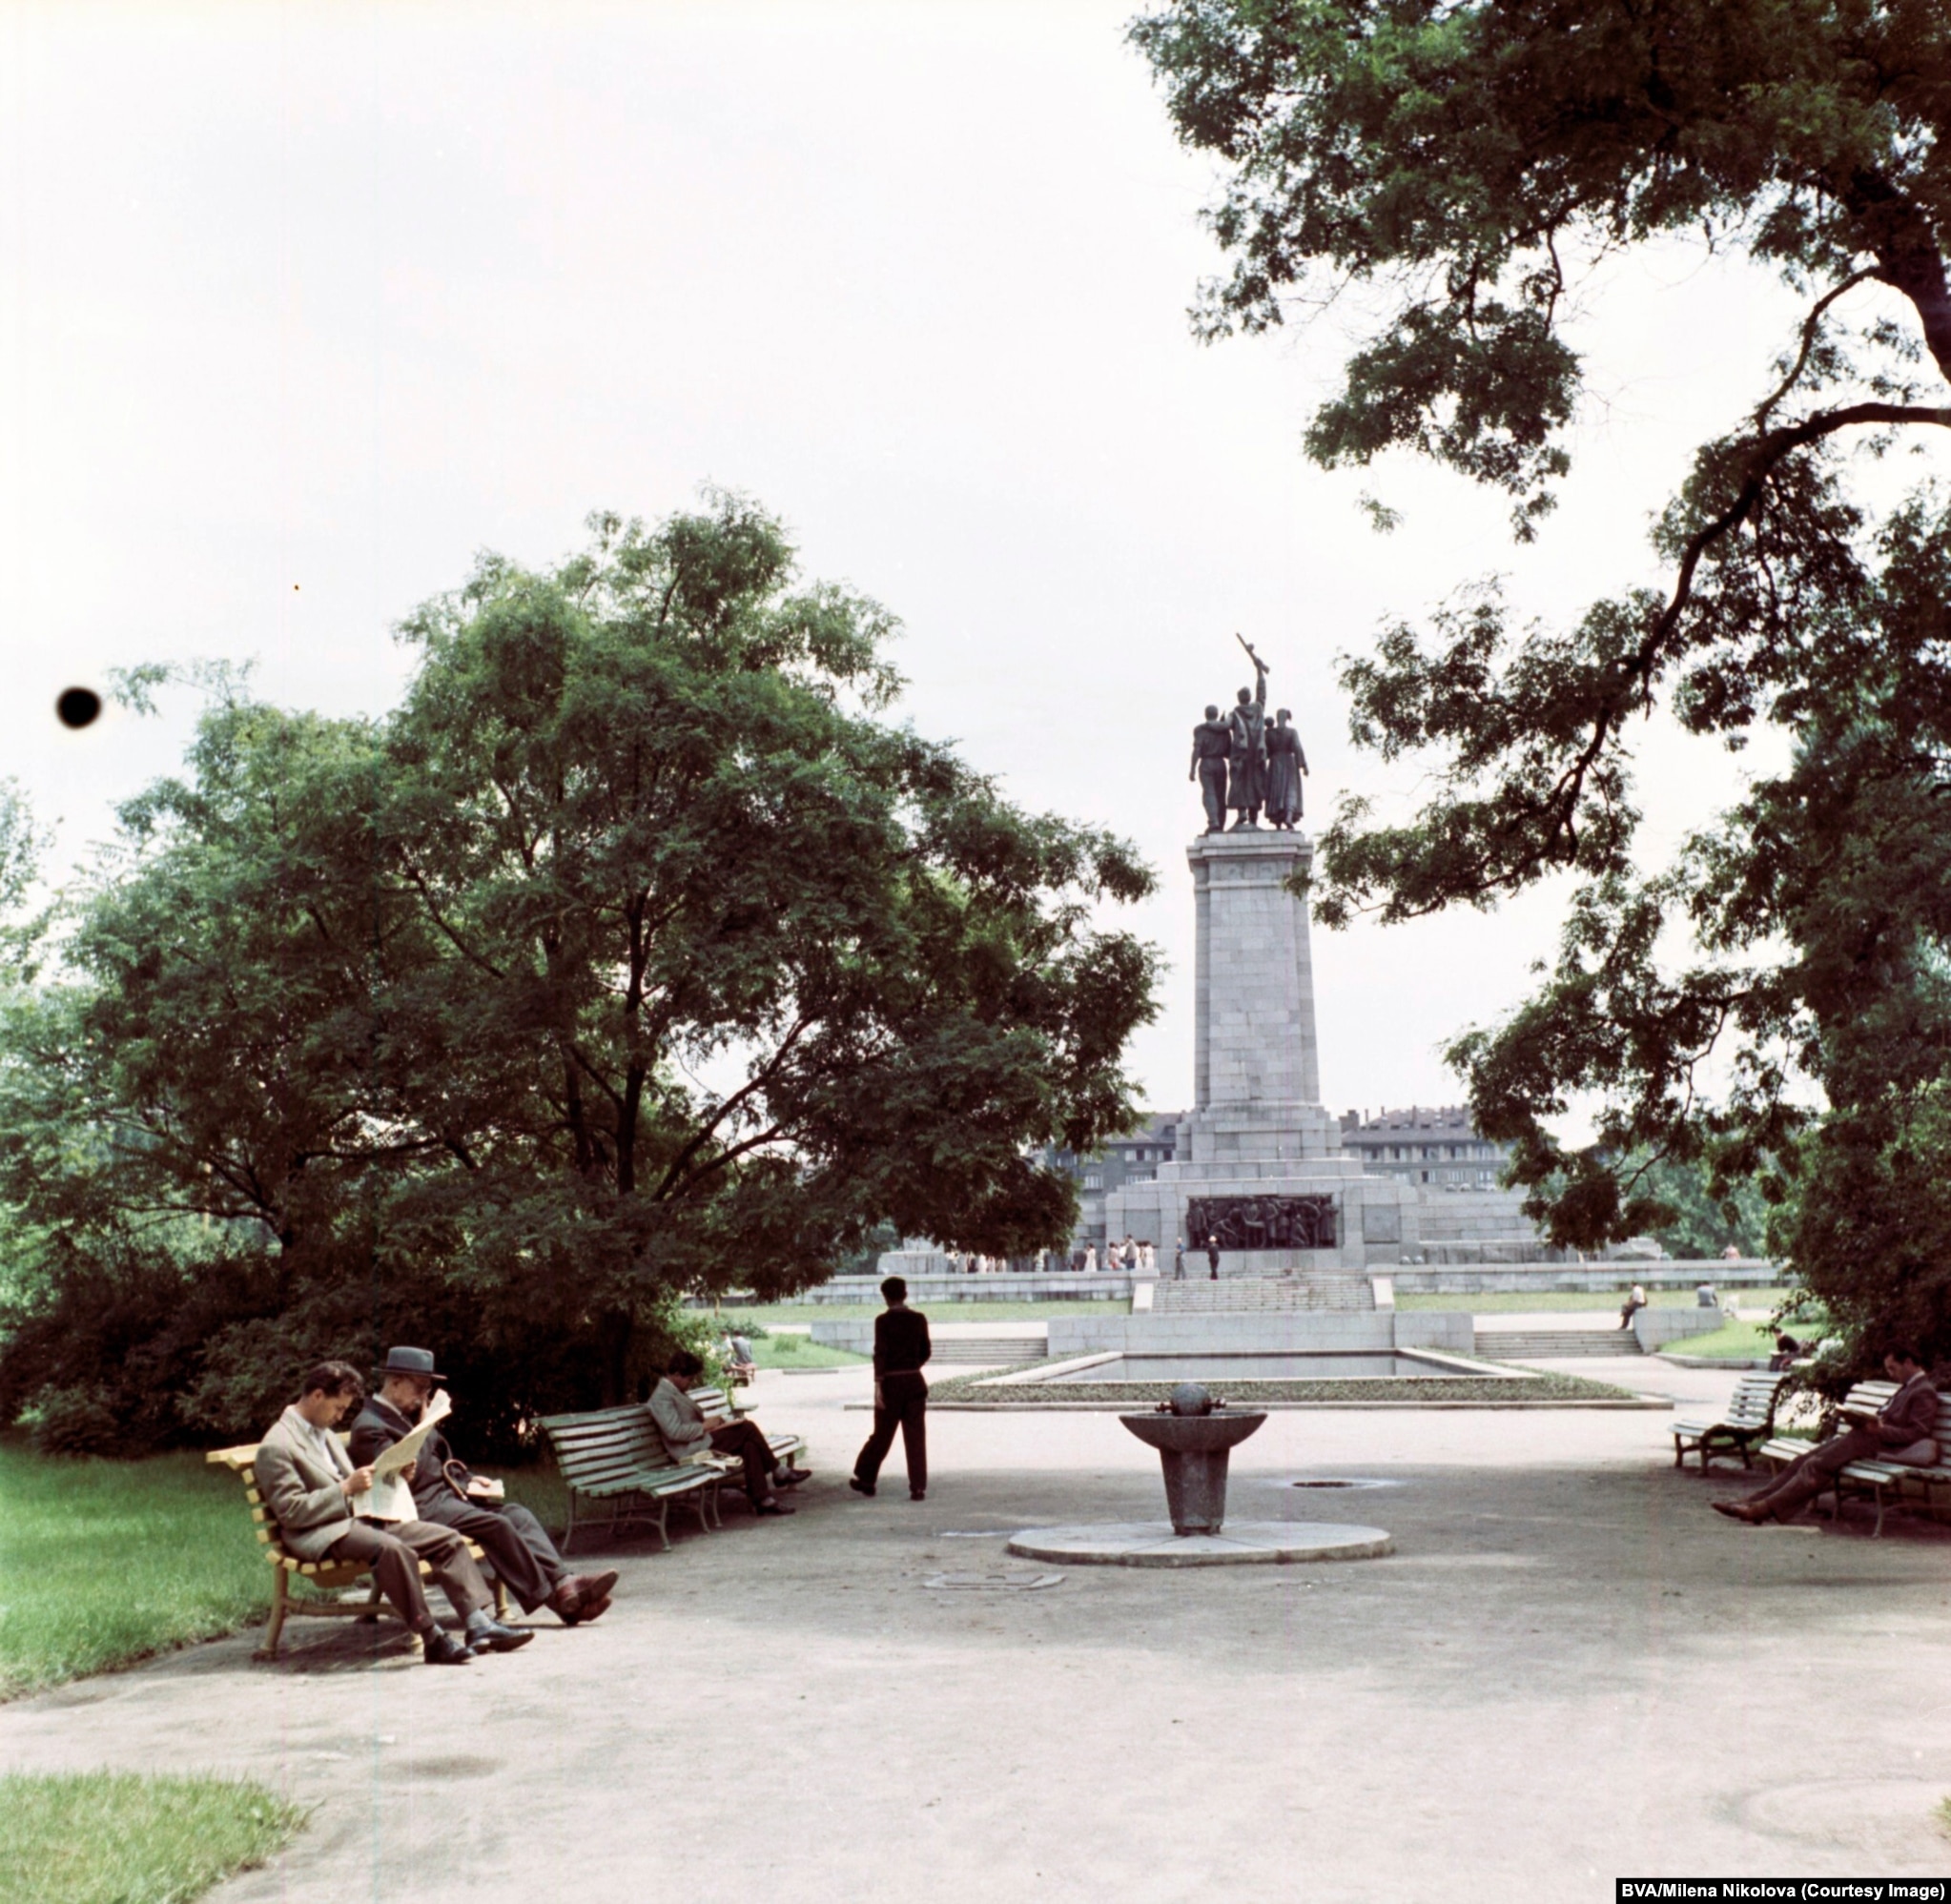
577,1599
1741,1511
592,1610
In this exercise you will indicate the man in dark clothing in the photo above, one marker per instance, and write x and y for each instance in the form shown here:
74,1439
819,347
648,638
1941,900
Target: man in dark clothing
518,1547
1213,1259
1903,1430
900,1393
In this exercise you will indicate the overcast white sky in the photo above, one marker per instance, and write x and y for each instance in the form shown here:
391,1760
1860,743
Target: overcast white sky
301,306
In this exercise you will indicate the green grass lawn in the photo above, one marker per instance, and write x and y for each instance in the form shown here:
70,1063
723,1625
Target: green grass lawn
105,1562
1737,1340
797,1352
1491,1303
104,1837
983,1310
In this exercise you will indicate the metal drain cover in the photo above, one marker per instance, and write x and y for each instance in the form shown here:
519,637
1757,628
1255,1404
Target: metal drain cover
990,1582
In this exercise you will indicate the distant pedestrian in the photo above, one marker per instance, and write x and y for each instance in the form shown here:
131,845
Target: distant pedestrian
1090,1258
1179,1261
1212,1258
900,1393
1704,1297
1631,1306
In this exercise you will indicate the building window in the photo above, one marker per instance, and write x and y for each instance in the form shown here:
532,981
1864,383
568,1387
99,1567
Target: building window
1094,1179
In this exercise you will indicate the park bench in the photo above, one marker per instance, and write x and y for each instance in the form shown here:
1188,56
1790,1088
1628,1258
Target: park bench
1746,1421
1883,1481
326,1576
616,1456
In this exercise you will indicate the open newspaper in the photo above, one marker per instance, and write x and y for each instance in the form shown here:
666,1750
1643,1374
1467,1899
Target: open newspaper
405,1451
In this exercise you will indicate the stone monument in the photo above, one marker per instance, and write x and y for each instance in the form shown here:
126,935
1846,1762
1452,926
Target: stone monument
1259,1163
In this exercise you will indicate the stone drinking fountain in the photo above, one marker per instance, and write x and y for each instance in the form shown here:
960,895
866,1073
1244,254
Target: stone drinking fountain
1194,1439
1194,1435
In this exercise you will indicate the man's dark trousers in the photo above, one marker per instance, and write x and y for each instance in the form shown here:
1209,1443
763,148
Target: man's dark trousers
517,1545
903,1403
395,1550
746,1439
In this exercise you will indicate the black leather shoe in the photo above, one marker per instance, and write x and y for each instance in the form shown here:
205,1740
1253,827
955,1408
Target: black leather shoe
860,1486
791,1477
492,1636
442,1649
774,1507
918,1494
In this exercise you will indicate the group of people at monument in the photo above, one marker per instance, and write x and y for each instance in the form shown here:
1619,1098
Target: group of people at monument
1246,767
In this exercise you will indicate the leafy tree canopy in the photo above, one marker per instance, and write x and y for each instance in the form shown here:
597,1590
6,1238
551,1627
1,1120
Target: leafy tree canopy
633,953
1457,166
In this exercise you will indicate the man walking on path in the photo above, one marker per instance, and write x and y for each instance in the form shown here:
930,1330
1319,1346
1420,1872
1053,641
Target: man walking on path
900,1392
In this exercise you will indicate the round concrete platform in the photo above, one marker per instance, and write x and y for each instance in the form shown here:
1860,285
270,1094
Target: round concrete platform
1239,1544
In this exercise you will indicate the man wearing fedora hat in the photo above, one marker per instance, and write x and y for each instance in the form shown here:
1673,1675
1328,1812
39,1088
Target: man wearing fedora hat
446,1494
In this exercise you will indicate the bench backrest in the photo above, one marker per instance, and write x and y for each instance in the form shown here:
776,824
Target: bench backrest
1752,1402
242,1462
606,1444
713,1404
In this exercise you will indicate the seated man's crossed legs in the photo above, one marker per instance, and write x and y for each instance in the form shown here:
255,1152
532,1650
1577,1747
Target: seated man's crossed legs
746,1441
524,1559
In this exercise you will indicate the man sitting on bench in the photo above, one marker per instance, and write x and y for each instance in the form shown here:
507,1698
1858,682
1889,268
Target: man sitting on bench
1901,1431
517,1545
310,1486
687,1434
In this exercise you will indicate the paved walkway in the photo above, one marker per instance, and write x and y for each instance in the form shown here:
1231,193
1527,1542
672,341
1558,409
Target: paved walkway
1571,1670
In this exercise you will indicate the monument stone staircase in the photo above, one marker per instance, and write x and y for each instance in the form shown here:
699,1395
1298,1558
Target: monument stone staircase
1317,1290
1554,1344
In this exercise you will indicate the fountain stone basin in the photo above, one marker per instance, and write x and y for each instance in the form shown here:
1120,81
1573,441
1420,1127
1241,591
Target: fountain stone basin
1193,1450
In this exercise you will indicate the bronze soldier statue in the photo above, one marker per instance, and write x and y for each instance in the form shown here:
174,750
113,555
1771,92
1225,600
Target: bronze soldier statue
1246,782
1212,740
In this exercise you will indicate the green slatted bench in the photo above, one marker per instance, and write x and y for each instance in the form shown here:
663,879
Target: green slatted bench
1746,1421
328,1576
616,1456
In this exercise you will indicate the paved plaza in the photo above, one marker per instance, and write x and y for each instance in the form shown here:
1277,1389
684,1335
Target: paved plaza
1569,1670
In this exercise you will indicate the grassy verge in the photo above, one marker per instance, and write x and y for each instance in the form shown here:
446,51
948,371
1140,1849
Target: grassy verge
104,1562
1491,1303
113,1838
1532,1386
1737,1341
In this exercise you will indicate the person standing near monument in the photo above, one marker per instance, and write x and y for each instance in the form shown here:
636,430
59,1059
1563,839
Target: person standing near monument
1212,1258
900,1393
1286,764
1212,740
1247,776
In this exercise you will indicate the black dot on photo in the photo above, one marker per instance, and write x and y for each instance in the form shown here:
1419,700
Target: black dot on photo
78,706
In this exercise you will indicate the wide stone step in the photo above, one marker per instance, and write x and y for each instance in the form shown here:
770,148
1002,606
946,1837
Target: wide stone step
989,1351
1532,1344
1317,1290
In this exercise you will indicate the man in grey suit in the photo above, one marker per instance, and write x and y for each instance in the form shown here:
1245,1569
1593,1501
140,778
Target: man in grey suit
309,1486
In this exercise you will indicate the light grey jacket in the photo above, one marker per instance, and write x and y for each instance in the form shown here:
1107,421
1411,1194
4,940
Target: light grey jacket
300,1494
680,1421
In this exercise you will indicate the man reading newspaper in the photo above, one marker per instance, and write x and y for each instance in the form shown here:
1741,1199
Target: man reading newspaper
433,1486
1903,1430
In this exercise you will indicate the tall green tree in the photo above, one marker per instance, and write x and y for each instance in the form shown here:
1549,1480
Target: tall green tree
1459,168
634,953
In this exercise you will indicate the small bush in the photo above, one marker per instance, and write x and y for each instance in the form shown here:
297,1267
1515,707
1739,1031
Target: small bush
72,1421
